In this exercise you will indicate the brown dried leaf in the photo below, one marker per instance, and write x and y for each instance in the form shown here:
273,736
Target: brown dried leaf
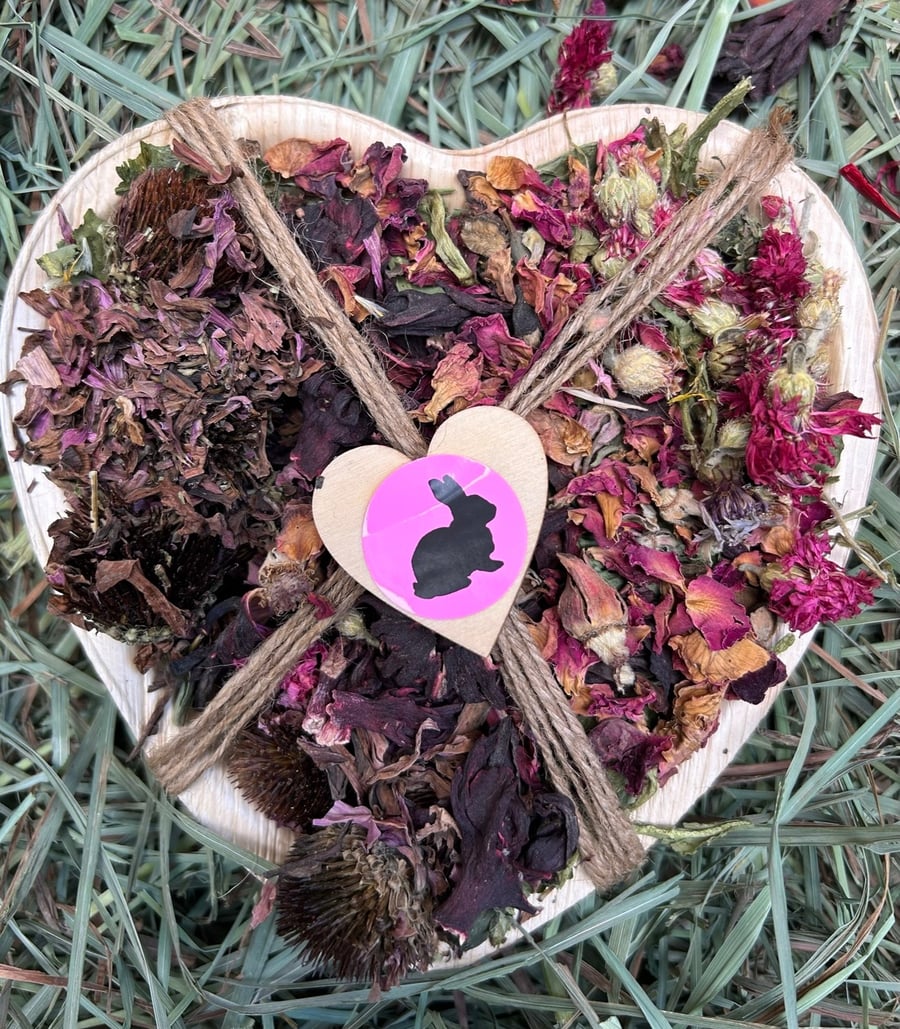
511,173
564,440
289,156
457,377
719,667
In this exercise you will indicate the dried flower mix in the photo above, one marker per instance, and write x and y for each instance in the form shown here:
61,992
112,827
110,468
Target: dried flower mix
186,414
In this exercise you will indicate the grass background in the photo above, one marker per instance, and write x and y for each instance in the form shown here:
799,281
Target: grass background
117,910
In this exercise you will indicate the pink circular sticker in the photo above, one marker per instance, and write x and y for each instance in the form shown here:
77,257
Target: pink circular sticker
444,537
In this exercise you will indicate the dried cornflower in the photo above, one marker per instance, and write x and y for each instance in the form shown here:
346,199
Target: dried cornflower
355,907
733,506
603,81
817,316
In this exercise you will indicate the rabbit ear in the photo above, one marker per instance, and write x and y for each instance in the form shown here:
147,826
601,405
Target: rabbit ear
446,490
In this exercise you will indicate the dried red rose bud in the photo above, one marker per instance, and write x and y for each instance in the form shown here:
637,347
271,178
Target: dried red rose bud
592,612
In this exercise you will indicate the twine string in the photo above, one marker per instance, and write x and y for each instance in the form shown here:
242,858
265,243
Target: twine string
610,310
609,846
205,131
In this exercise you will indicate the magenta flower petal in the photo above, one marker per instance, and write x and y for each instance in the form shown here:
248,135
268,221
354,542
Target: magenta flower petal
713,610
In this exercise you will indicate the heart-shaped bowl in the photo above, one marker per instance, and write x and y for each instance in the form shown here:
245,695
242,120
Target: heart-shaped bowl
212,799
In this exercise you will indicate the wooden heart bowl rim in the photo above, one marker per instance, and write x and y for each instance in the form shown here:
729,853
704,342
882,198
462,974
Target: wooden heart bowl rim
212,799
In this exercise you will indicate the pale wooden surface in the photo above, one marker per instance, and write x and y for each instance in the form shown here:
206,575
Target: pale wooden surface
269,120
492,436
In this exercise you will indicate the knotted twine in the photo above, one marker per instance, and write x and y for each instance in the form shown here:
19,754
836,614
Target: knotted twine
609,847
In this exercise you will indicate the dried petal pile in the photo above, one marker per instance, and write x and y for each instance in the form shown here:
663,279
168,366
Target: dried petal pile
186,416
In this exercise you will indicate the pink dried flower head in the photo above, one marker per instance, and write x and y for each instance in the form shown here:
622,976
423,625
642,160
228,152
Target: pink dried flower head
778,271
811,588
581,59
785,452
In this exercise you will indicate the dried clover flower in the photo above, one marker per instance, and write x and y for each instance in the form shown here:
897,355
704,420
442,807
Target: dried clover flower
640,370
582,75
355,907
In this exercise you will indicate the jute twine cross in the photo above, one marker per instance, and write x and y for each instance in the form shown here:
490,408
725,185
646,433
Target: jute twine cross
609,847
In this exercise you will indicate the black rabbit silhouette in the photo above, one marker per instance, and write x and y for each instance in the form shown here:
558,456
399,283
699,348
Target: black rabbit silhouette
445,558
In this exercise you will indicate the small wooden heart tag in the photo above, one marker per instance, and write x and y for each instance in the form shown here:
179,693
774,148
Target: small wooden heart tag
446,538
